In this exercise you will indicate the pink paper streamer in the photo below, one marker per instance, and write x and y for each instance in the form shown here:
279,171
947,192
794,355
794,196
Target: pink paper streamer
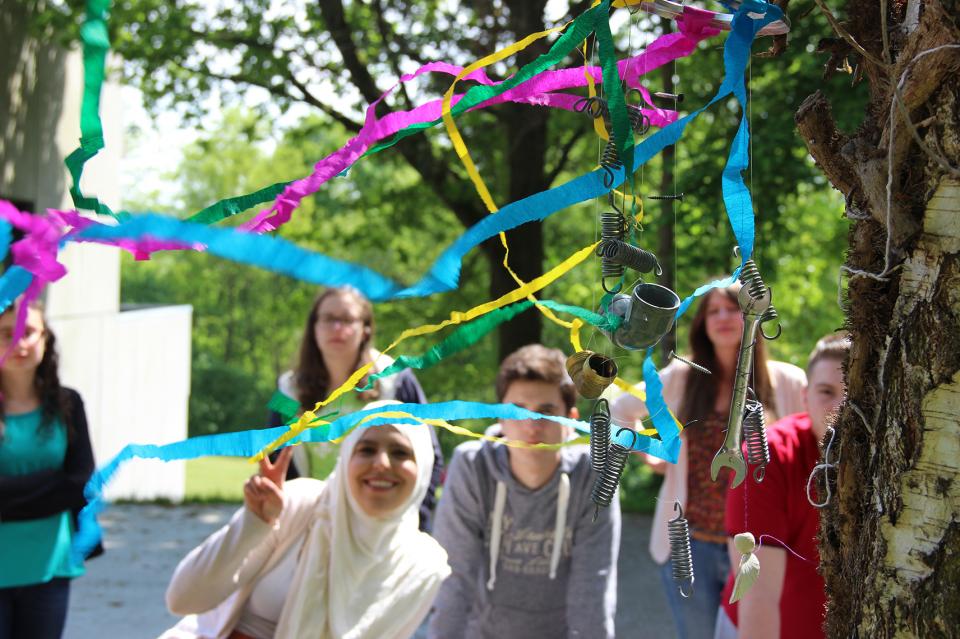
538,90
36,253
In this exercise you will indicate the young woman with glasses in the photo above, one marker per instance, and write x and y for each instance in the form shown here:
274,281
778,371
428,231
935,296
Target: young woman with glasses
337,340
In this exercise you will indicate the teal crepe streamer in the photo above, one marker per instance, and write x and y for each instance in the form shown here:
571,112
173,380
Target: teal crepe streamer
250,442
13,284
6,235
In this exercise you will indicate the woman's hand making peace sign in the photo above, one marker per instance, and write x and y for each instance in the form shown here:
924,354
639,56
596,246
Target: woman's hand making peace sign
263,493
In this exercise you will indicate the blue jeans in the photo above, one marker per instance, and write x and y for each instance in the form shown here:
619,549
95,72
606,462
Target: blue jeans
38,611
696,616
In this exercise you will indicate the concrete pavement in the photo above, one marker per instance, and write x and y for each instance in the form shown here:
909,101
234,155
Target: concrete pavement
121,596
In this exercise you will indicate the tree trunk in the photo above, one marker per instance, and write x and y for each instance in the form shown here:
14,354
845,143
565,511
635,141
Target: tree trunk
890,534
526,129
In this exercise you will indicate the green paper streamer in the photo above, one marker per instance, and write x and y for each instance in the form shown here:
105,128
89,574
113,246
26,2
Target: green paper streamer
283,404
469,334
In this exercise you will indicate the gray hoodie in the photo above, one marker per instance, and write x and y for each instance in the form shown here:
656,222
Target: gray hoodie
510,579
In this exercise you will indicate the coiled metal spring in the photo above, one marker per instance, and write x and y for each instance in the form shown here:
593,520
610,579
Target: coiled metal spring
607,480
595,107
639,122
681,559
610,161
755,436
750,277
613,226
614,251
599,435
770,315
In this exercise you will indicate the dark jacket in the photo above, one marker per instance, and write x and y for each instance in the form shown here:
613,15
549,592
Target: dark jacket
47,492
408,391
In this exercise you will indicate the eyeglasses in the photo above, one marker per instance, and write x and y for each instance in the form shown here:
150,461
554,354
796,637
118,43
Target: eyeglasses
29,338
333,321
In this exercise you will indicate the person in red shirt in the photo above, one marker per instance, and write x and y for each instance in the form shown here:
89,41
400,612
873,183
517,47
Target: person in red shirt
788,599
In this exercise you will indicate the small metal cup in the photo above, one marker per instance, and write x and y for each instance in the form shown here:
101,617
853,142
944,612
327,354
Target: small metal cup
591,372
647,313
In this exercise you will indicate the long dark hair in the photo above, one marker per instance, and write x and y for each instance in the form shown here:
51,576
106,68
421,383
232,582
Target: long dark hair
311,376
700,393
46,380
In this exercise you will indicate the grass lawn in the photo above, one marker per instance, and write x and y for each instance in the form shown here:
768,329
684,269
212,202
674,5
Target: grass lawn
220,479
217,478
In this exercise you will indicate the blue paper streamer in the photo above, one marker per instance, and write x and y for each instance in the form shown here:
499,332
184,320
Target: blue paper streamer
736,195
13,284
250,442
6,234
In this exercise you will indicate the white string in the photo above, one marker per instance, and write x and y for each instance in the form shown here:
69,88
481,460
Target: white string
894,102
825,466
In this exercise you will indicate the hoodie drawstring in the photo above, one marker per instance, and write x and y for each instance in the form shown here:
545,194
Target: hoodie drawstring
563,499
499,503
559,530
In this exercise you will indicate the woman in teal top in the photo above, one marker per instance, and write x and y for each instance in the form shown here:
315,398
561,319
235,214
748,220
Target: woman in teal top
45,461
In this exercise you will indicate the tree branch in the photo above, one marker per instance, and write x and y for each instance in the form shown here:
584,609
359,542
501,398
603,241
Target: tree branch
843,33
415,149
402,44
565,150
336,21
219,38
388,36
815,123
278,92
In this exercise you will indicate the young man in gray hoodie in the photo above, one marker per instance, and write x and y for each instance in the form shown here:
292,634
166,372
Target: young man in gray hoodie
527,559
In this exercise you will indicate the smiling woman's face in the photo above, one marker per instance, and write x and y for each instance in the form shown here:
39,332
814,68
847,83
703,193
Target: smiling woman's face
382,471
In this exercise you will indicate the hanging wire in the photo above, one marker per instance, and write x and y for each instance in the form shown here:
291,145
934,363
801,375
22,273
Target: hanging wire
596,210
824,467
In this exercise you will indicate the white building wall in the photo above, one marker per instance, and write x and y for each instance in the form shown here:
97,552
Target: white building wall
132,368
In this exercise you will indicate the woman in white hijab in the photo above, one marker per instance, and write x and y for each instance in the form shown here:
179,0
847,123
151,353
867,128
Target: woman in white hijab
320,559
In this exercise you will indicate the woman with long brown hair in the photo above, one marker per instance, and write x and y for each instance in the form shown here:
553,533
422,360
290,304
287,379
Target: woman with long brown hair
702,403
45,461
337,340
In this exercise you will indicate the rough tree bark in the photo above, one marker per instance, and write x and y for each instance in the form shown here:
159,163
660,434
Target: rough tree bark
890,536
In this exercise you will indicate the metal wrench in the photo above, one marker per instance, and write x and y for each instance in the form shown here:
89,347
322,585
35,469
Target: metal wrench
730,454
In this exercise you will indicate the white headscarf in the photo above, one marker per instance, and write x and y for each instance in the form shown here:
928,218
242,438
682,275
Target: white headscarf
362,577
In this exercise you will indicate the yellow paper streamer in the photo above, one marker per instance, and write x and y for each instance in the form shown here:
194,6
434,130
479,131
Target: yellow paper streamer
460,430
464,154
308,418
598,124
454,133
